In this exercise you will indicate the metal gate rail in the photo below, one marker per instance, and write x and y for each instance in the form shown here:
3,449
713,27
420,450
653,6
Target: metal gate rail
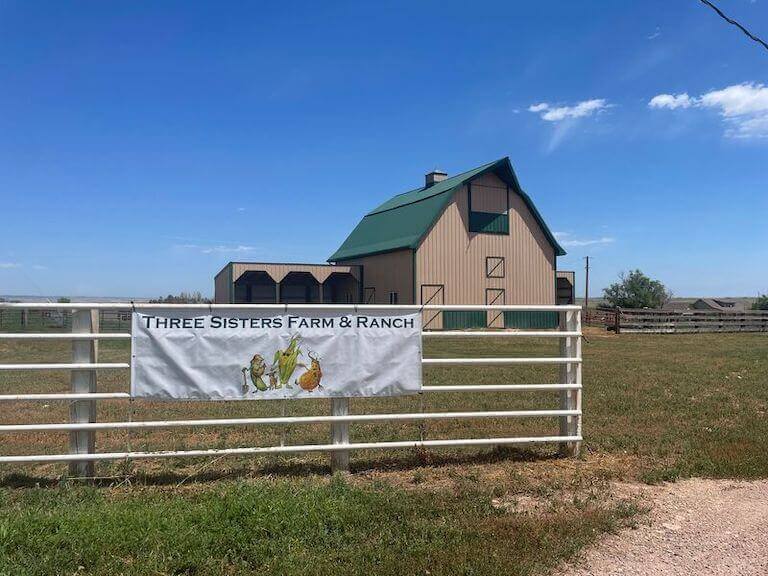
83,395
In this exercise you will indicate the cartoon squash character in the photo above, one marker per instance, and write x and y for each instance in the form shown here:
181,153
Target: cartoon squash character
311,378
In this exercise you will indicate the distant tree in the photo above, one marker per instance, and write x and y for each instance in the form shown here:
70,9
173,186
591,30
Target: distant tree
182,298
761,303
636,290
64,300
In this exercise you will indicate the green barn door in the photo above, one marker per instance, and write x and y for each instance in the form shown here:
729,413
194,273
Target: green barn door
531,320
463,319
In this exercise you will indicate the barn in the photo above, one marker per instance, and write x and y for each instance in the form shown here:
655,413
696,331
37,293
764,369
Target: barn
472,238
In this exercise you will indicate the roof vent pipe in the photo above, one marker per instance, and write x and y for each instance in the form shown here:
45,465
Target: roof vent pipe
434,177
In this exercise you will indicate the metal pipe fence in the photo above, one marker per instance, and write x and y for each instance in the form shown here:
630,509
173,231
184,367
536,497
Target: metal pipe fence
83,321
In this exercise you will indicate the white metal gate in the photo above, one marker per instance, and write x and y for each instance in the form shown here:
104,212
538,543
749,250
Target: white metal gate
84,394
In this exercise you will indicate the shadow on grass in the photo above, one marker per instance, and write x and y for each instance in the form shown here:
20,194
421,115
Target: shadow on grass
404,463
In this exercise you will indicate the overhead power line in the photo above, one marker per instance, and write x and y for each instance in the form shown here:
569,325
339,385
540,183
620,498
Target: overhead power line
732,21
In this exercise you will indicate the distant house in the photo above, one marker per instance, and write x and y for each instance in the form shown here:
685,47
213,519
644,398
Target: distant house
473,238
677,305
717,305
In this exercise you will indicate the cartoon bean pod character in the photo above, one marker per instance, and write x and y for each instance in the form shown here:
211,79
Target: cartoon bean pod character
256,369
311,378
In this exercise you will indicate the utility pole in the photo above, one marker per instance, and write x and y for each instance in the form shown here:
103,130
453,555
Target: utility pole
586,287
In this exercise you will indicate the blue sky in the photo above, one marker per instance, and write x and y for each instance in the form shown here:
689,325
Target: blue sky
144,145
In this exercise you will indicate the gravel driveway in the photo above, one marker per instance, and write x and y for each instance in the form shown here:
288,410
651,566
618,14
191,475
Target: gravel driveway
701,527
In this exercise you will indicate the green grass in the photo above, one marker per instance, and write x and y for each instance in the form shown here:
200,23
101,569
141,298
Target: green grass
678,405
683,405
656,408
285,527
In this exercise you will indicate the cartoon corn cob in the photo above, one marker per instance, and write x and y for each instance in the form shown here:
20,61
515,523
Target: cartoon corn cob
287,361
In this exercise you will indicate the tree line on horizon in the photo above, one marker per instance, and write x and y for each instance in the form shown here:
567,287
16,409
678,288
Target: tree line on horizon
182,298
636,290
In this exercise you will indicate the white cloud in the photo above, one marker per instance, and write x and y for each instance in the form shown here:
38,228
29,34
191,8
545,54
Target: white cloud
558,113
217,249
592,242
738,100
754,127
744,107
566,241
39,267
656,33
8,265
560,132
671,101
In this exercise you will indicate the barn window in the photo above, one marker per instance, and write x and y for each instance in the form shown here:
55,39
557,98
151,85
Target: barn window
393,297
487,222
494,267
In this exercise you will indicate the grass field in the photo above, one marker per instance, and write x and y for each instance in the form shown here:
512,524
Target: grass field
656,408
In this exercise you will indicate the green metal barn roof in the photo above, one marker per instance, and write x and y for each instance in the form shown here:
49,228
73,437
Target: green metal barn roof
402,221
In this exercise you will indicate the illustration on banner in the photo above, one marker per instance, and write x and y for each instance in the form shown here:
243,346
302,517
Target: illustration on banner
284,364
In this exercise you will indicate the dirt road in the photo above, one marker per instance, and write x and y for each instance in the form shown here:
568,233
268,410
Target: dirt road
702,527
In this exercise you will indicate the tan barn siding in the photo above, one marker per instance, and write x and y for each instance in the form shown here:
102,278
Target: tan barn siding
452,256
221,287
388,272
489,194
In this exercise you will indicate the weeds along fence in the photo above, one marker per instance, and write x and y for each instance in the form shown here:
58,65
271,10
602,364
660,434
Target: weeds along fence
81,326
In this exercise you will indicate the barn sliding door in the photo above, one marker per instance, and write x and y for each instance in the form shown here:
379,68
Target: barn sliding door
432,294
495,296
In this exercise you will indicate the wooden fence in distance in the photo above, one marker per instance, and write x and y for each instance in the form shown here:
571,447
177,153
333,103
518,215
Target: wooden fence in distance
685,321
602,317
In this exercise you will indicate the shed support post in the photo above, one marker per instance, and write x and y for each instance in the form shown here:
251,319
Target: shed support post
570,373
83,382
339,435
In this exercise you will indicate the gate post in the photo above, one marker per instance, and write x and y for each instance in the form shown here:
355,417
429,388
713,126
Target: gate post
83,382
339,435
570,373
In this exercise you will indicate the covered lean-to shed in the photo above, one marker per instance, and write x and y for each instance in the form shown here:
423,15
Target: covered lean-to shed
473,238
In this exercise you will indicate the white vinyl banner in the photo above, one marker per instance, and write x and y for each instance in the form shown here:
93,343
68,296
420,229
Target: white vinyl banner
252,354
